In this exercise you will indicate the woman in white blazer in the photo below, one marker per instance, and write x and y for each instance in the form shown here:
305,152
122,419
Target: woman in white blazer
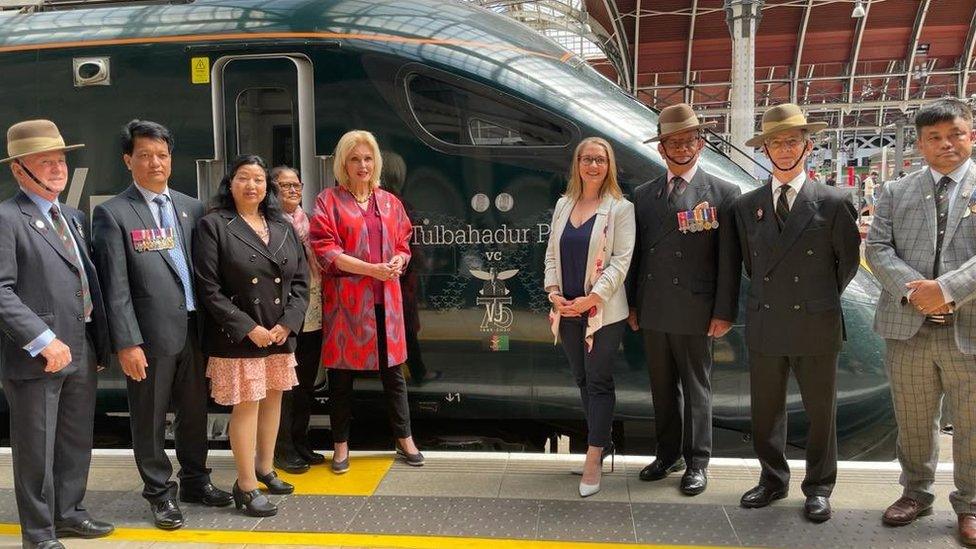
587,258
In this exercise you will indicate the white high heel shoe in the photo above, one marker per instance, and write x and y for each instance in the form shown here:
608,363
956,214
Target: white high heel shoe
586,490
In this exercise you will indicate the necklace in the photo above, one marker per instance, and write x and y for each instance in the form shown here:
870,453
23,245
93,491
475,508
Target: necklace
262,230
363,200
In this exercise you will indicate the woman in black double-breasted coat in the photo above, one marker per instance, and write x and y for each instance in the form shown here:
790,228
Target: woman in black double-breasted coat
251,274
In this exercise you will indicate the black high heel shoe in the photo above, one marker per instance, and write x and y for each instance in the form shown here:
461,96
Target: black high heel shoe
253,503
609,450
275,485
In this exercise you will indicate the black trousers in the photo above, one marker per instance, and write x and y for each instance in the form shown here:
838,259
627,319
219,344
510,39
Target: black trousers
593,371
817,377
680,368
296,405
176,382
51,422
394,388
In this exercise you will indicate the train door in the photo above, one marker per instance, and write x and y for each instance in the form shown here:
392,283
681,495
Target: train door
263,104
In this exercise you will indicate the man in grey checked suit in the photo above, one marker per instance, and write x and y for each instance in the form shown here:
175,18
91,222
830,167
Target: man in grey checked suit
54,337
922,248
149,290
800,248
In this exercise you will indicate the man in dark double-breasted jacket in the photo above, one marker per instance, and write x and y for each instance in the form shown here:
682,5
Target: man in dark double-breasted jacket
683,290
54,336
800,246
142,240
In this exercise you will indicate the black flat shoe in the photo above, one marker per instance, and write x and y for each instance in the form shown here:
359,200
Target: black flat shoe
46,544
87,529
761,496
275,485
208,495
817,508
291,463
659,469
311,457
415,460
167,514
253,503
694,481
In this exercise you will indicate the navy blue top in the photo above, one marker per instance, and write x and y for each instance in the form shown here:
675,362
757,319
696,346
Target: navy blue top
574,247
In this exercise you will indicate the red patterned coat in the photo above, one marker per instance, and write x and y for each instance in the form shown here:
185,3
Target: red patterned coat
348,319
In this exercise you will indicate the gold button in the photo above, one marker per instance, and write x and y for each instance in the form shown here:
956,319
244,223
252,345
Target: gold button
254,280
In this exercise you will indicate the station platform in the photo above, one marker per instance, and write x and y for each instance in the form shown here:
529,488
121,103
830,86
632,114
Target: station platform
500,500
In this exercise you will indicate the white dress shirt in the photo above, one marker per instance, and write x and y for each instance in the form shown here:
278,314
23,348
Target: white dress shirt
794,184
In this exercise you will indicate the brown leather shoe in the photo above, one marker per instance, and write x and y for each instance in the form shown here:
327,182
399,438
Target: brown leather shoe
967,529
905,511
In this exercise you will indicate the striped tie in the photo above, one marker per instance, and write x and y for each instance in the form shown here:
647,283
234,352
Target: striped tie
69,247
166,221
783,206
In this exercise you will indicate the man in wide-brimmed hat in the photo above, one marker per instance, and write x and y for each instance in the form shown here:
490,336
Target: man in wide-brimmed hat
52,317
683,290
800,246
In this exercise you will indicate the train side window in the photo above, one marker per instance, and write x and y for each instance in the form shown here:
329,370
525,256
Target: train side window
466,115
266,125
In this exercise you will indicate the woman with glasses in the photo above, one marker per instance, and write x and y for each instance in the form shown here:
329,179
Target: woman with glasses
587,259
293,452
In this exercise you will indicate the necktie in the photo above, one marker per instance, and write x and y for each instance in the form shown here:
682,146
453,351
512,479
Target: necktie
783,206
942,215
677,188
176,252
69,247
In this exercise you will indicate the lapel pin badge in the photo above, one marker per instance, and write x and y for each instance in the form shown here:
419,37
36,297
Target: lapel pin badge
183,214
759,214
38,223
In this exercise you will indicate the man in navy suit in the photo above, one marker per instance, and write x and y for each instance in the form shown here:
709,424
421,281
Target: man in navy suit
54,336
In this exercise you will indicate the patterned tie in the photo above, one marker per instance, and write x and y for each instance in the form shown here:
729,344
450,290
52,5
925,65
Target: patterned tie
176,252
783,206
942,215
69,247
677,189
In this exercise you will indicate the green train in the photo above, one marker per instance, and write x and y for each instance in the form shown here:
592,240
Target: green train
477,117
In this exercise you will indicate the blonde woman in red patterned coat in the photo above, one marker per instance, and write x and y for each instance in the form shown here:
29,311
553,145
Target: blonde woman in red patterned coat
360,235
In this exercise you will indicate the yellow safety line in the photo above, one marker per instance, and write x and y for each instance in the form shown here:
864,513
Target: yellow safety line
361,540
365,474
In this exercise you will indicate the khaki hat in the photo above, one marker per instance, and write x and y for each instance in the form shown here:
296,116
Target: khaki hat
782,118
32,137
676,119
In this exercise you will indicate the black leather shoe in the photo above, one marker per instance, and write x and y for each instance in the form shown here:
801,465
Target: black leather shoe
167,514
311,457
88,529
275,485
694,481
46,544
761,496
658,469
209,495
253,503
817,508
291,463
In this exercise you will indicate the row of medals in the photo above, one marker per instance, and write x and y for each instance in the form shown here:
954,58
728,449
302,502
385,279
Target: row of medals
699,219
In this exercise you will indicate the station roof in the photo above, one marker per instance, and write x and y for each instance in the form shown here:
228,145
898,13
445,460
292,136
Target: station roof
870,70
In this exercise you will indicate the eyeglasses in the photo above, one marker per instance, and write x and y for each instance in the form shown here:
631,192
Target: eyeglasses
598,160
684,144
290,186
780,144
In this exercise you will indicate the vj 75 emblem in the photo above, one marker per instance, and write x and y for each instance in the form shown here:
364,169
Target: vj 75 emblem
494,296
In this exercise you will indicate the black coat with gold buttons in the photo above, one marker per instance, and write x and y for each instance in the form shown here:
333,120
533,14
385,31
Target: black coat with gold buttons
243,282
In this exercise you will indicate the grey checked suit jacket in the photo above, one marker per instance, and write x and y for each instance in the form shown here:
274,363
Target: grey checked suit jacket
901,248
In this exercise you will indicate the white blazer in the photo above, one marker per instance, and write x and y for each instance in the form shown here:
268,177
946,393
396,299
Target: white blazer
621,233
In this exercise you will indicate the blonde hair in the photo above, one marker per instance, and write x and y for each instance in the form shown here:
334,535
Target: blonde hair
345,146
574,188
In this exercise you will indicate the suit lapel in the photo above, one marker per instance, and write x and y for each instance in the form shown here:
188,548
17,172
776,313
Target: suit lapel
242,231
596,238
767,219
40,224
186,227
667,221
925,192
801,213
960,204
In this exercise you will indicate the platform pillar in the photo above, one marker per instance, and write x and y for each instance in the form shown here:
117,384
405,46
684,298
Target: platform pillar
743,17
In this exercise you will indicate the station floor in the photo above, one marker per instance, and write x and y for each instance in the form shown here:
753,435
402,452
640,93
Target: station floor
499,500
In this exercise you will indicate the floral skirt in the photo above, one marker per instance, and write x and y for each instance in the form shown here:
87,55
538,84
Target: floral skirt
236,380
